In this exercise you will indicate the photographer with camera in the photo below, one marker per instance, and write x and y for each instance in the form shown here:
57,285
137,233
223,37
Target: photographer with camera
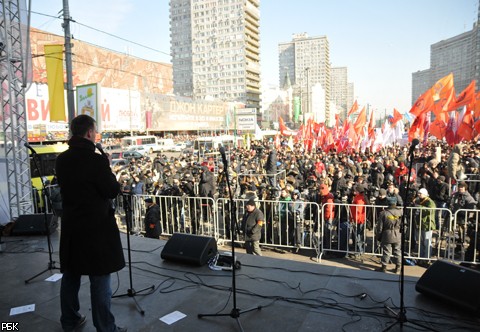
187,185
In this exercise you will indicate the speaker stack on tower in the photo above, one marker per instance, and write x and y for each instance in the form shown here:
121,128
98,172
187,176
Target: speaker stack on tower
189,249
452,283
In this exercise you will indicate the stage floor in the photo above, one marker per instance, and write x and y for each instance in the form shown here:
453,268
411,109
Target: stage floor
285,294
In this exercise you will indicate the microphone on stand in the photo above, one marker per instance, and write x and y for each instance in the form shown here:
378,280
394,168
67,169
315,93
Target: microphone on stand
414,144
224,157
28,146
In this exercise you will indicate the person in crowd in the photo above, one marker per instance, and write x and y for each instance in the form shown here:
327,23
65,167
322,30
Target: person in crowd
285,217
454,167
207,189
401,174
152,219
394,191
87,185
387,232
326,201
298,207
460,201
271,168
188,187
358,217
56,198
138,186
424,224
252,224
441,196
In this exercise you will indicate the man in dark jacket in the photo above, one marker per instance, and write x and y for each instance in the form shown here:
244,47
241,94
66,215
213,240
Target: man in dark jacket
90,240
252,224
152,219
207,188
388,233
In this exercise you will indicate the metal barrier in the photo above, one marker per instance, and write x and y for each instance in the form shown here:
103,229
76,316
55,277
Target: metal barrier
178,214
301,225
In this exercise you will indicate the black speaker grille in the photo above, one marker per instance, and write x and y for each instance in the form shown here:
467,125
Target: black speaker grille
189,249
452,283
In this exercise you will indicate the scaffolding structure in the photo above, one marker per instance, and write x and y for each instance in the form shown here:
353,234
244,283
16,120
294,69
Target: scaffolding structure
13,58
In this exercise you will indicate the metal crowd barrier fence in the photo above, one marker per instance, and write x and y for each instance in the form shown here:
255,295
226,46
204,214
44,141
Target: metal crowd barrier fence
178,214
302,225
287,223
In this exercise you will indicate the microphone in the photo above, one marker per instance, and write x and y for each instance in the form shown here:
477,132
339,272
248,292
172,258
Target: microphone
28,146
100,148
414,144
224,157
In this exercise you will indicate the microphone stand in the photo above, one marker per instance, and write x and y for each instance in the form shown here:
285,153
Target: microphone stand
401,316
235,312
46,199
131,292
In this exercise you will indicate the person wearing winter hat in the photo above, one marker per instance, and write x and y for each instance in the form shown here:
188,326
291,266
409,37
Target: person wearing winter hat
425,223
252,224
388,234
152,219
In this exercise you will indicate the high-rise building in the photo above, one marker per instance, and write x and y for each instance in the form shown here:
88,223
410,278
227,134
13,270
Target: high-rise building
215,49
339,86
350,95
459,55
307,61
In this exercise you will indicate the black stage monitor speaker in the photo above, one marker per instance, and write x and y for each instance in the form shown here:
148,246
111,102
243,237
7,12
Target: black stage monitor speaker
452,283
189,249
34,224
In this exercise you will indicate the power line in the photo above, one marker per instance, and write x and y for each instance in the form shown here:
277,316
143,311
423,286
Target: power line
106,33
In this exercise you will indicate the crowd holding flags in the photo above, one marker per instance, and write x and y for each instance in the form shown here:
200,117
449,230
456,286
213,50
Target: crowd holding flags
346,135
457,117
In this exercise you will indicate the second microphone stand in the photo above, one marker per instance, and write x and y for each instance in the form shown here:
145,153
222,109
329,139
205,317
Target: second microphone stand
46,202
131,292
401,316
235,312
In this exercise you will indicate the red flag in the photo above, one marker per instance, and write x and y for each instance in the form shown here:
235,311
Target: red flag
396,117
451,133
423,104
353,109
438,128
361,121
443,94
283,128
417,128
465,129
465,97
476,125
476,107
371,127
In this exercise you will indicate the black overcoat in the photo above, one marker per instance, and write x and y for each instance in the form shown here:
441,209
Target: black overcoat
90,240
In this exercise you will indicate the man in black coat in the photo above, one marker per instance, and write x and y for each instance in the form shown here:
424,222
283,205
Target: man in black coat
152,219
252,224
90,240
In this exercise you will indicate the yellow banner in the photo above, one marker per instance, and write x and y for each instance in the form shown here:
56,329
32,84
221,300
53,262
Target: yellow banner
54,63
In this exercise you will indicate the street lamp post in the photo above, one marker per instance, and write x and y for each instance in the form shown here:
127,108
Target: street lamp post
308,97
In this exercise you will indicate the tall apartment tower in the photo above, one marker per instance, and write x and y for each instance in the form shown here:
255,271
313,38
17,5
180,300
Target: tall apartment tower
215,49
459,55
339,84
307,61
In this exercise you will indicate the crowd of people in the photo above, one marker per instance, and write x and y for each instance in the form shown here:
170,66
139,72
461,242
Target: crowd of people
441,176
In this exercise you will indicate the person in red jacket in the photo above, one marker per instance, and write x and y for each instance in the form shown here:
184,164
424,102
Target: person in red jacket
326,200
358,216
401,174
